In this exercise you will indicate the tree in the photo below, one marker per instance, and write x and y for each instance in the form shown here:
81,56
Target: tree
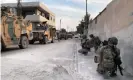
87,20
84,24
80,27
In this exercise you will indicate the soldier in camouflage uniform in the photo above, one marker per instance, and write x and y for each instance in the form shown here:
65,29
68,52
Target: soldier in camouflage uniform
95,41
58,36
84,37
109,57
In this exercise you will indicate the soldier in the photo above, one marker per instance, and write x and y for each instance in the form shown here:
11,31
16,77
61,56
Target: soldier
44,25
92,39
95,41
85,45
117,58
83,40
58,36
109,57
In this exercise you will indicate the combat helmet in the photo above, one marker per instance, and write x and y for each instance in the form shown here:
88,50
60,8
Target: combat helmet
91,35
113,40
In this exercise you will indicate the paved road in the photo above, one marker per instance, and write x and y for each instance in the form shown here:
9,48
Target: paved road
57,61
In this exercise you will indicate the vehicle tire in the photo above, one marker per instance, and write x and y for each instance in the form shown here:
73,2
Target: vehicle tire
43,41
52,41
31,41
65,38
24,42
3,48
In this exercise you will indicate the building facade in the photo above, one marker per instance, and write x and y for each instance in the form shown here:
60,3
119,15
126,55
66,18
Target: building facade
117,20
35,12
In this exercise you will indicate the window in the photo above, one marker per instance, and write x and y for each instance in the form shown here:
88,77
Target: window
47,16
38,12
53,19
43,15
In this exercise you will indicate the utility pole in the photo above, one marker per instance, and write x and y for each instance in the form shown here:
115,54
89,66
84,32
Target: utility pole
60,24
85,21
86,7
86,16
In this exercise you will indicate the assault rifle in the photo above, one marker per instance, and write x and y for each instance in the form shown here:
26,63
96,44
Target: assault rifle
118,61
120,69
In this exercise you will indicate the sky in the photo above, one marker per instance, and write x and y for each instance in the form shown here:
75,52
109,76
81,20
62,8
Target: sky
71,12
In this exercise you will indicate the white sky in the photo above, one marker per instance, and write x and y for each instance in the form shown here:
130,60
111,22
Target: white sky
70,15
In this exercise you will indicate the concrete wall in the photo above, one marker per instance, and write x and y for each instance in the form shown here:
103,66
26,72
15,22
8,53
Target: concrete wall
117,20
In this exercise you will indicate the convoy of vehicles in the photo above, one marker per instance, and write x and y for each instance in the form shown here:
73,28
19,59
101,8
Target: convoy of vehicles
19,31
69,35
16,30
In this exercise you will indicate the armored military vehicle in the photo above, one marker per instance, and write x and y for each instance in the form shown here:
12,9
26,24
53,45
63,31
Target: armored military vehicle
43,34
14,29
63,34
69,35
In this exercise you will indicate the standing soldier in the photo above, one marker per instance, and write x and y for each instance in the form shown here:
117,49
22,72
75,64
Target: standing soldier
44,25
58,36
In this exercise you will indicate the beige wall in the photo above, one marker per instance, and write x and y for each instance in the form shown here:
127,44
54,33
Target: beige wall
116,17
117,20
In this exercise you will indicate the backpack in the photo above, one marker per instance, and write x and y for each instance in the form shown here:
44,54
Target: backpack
108,58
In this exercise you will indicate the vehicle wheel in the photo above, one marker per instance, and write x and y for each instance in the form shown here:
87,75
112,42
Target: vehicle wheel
23,42
41,42
65,38
52,41
3,48
31,41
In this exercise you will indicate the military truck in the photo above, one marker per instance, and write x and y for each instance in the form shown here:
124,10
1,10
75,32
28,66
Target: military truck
14,29
43,34
63,34
69,35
